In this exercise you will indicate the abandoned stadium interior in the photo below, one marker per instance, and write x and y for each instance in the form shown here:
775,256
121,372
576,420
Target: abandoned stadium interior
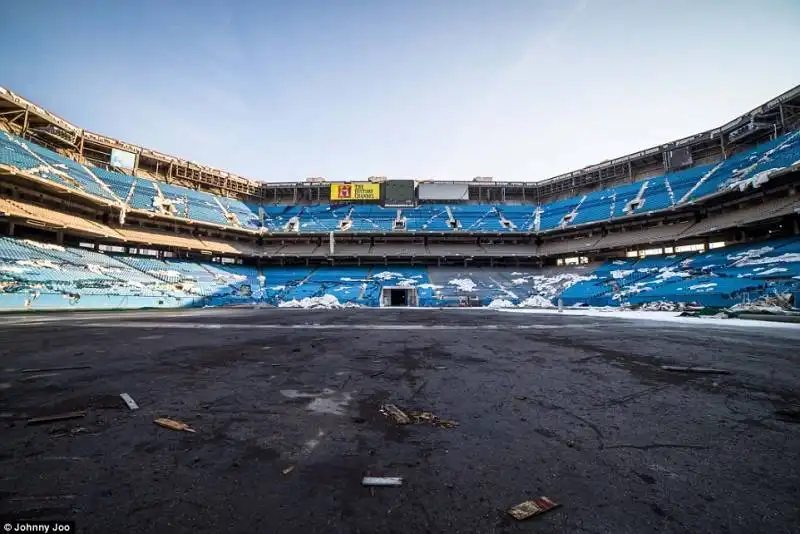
93,222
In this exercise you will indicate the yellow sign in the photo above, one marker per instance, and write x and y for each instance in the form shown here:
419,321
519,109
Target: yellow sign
356,191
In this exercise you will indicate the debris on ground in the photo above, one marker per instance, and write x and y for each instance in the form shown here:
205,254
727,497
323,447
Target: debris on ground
49,369
287,470
382,481
173,425
527,509
56,417
410,417
778,303
661,305
399,416
129,401
690,369
431,419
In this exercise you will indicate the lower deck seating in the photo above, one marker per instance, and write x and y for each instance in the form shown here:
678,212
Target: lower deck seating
37,275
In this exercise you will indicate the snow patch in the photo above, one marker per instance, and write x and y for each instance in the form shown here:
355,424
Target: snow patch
789,257
165,272
45,246
464,284
327,302
46,264
621,273
774,270
386,275
668,273
12,269
749,254
536,301
500,303
703,286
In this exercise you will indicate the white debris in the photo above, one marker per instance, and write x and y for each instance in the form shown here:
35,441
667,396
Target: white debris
464,284
429,286
757,180
129,401
500,303
382,481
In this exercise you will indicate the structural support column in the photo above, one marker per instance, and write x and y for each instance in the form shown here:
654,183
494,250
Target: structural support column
25,123
783,118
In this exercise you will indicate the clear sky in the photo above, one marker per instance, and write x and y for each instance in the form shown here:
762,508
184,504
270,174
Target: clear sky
448,89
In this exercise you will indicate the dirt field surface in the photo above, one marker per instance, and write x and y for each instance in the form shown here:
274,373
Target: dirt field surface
285,405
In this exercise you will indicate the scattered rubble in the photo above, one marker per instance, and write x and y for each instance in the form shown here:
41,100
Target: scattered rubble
129,401
663,305
415,417
399,416
173,425
778,304
287,470
56,417
690,369
382,481
49,369
527,509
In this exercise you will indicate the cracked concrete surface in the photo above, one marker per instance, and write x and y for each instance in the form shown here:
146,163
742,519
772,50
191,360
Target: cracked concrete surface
545,406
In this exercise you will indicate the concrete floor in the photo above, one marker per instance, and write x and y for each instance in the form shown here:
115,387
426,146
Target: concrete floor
573,408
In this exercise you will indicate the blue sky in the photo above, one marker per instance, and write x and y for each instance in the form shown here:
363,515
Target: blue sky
448,89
